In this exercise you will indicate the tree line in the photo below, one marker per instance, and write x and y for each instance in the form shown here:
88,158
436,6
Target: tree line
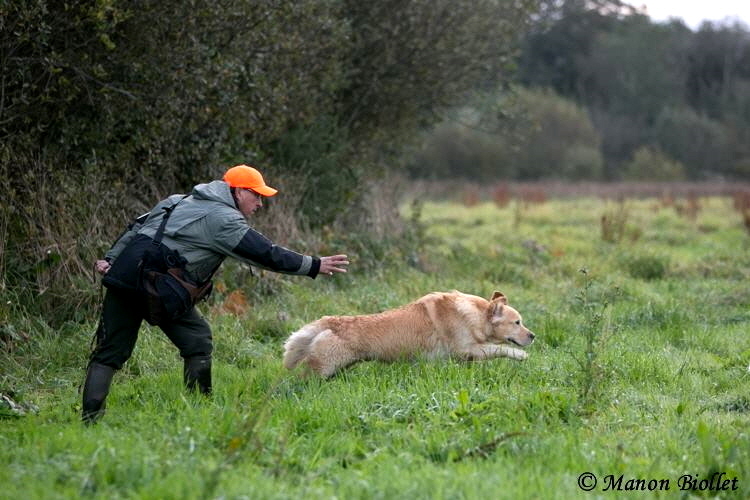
605,93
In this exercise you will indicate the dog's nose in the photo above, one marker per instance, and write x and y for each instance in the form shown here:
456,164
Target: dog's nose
532,336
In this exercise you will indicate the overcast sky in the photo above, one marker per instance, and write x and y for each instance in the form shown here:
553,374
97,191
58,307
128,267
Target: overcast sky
693,12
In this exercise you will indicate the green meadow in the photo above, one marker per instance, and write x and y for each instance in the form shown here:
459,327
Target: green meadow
639,376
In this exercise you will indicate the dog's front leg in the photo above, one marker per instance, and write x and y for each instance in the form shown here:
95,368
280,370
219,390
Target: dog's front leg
487,351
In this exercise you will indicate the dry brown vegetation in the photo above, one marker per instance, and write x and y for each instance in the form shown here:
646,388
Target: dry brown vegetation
742,205
682,197
685,195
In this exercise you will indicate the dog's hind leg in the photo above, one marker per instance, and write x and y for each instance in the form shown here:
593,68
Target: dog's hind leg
328,354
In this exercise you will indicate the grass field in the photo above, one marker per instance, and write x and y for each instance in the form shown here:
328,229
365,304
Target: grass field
639,375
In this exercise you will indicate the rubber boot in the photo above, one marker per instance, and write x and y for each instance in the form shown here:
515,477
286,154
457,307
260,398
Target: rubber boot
95,390
198,372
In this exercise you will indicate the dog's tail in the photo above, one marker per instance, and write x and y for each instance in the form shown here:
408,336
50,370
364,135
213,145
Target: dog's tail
297,346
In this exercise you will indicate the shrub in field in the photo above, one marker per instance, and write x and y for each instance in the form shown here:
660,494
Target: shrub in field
690,208
517,214
596,327
531,194
470,196
613,223
581,162
741,201
501,195
653,165
647,267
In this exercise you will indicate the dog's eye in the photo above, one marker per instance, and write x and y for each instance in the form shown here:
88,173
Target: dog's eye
518,321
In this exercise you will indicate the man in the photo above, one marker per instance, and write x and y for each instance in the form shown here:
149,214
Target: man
204,227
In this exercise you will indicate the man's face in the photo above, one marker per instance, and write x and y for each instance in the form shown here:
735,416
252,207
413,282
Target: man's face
248,201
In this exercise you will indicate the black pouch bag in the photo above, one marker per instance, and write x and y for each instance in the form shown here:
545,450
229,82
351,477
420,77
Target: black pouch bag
125,273
156,274
169,295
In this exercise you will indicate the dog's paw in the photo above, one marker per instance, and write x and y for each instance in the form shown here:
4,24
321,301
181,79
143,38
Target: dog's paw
521,355
513,353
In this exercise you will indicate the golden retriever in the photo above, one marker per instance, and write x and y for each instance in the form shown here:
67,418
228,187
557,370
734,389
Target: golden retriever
438,325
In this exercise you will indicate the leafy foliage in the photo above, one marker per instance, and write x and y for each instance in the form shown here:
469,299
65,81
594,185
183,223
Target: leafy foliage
653,165
411,59
520,133
106,106
315,155
647,267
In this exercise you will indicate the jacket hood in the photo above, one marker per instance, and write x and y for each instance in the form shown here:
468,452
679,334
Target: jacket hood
214,191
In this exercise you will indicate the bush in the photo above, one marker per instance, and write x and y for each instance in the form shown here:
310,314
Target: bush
582,162
523,134
614,223
647,267
316,156
650,164
553,128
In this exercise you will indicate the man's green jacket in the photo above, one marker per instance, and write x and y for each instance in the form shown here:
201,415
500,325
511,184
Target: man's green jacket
206,227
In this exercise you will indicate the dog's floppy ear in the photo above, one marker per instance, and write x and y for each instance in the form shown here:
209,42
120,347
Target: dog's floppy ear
499,296
496,311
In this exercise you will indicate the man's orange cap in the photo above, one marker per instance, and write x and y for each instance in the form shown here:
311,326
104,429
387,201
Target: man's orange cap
246,177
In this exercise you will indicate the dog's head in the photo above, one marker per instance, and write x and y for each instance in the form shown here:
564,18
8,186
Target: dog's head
507,325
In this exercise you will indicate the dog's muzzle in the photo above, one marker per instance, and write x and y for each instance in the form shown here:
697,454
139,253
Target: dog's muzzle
511,340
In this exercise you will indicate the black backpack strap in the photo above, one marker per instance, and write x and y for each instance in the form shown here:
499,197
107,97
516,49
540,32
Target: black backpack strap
167,212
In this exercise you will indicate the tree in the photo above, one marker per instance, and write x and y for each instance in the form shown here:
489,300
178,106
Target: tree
718,63
558,45
698,142
632,74
524,134
409,60
558,139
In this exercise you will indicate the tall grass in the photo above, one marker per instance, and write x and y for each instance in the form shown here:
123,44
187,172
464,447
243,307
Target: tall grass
636,371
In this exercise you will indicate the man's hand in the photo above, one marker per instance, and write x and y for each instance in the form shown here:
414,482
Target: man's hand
102,266
333,264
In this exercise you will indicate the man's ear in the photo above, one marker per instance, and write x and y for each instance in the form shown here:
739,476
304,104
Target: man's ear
499,295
